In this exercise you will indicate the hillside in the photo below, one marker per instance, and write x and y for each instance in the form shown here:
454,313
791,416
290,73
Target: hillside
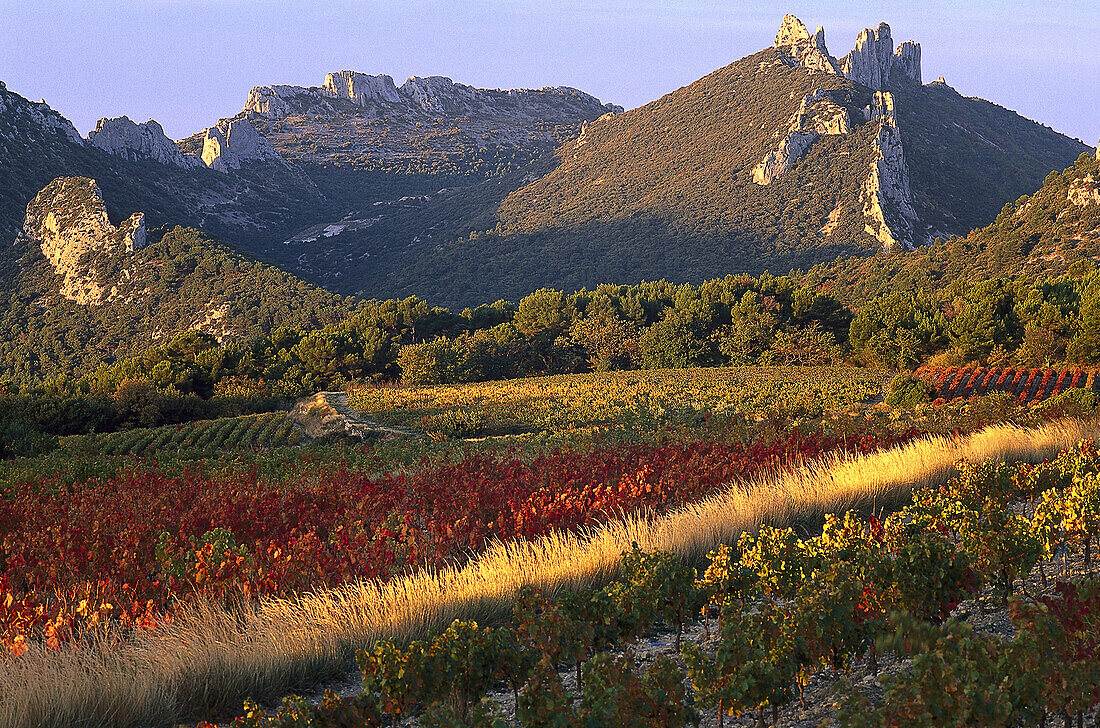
135,166
783,159
1039,235
297,165
88,291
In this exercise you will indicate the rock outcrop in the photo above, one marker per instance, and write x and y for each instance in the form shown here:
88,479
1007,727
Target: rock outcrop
37,113
231,143
876,64
803,49
427,125
123,137
818,115
68,221
886,196
433,95
362,88
1085,191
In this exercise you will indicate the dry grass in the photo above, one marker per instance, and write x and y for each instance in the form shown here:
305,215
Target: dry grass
209,659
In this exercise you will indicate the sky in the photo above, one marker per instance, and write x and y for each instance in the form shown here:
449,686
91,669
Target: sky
188,63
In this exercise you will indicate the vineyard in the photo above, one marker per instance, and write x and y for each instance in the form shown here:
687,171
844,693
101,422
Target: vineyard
627,398
126,548
274,429
1028,386
879,597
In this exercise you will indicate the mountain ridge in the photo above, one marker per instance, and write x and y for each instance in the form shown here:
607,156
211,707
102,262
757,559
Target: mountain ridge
776,161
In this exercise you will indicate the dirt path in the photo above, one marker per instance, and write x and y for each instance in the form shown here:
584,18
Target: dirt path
328,413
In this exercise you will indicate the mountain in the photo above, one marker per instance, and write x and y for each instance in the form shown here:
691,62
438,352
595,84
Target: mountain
139,168
1041,235
784,159
296,164
87,291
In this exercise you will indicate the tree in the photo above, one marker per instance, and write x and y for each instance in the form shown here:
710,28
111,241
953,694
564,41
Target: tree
545,312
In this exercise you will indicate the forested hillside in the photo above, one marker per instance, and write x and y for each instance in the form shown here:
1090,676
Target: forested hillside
675,189
87,292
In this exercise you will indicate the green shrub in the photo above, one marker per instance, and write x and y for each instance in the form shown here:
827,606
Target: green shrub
907,391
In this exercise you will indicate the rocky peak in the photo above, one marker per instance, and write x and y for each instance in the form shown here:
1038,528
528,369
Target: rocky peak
25,113
124,138
431,95
361,88
876,64
68,221
803,49
233,142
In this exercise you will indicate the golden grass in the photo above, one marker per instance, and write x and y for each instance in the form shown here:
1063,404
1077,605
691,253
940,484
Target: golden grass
209,659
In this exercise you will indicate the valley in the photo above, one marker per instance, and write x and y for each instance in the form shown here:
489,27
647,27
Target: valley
771,400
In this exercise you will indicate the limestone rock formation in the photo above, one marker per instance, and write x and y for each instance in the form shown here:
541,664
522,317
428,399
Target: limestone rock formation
123,137
361,88
887,198
818,115
231,143
876,64
38,113
795,41
1085,191
434,95
68,221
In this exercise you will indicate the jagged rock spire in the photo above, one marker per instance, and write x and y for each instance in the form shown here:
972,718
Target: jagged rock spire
122,137
876,64
231,142
803,49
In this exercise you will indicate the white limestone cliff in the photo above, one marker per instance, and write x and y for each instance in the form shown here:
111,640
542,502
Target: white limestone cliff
361,88
232,143
803,49
876,64
68,221
124,138
886,196
818,115
432,95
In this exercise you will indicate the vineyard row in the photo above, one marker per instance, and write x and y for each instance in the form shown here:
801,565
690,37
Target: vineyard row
1026,385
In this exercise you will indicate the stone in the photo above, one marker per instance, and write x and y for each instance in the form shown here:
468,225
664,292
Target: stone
432,95
39,114
124,138
232,143
905,68
886,195
802,49
362,88
875,63
68,221
818,115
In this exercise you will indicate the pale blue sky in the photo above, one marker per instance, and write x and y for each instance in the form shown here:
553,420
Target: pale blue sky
187,63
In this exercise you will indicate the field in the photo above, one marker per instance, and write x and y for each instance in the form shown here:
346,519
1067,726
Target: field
280,645
125,549
270,430
652,397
